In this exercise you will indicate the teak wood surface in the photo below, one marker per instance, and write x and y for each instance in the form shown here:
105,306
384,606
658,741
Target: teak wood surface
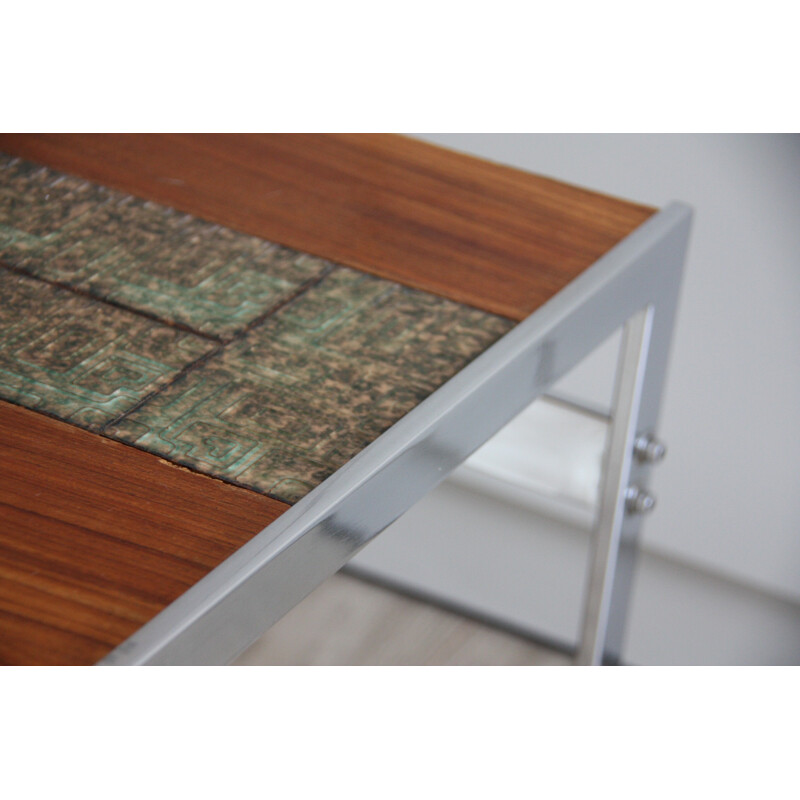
476,232
96,537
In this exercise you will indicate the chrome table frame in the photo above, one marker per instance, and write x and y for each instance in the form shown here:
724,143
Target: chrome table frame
635,284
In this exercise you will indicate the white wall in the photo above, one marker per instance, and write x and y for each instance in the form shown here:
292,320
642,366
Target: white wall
729,492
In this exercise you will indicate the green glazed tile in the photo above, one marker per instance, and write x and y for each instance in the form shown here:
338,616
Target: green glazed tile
292,395
80,360
143,255
302,393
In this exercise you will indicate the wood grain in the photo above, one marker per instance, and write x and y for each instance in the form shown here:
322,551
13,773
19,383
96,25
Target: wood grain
97,537
476,232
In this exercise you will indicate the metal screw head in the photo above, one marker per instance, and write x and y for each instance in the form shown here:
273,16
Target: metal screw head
648,449
638,500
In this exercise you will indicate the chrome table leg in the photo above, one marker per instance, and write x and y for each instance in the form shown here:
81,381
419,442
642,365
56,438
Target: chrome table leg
631,450
614,495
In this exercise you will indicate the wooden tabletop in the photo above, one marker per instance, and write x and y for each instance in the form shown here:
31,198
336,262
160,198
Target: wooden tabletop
197,330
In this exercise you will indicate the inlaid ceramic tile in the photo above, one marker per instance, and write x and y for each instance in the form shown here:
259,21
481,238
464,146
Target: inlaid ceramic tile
302,393
278,408
143,255
81,360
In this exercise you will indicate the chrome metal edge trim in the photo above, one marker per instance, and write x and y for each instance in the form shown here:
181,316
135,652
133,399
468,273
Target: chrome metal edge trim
227,610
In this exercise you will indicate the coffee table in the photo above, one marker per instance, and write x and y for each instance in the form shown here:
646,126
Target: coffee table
227,362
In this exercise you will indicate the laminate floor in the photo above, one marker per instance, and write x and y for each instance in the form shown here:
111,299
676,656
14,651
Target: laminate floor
347,621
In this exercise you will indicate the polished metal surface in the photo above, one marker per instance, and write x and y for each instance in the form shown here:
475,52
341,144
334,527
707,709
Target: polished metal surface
614,492
640,379
639,500
648,449
226,611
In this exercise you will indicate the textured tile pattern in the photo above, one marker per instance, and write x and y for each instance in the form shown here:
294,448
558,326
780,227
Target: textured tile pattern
83,361
315,362
304,392
142,255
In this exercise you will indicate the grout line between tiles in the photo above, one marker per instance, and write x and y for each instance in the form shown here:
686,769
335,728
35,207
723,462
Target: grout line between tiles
185,370
81,292
301,290
221,346
114,303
